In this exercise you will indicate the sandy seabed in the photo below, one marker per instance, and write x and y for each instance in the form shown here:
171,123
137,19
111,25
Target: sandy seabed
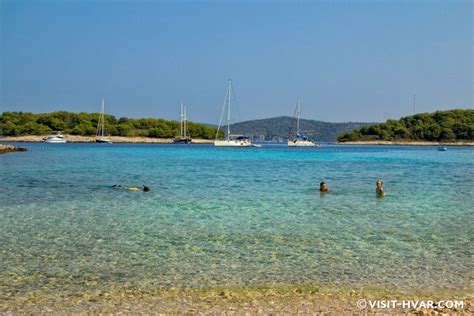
249,300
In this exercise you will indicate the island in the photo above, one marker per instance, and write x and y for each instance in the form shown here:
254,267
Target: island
452,127
82,127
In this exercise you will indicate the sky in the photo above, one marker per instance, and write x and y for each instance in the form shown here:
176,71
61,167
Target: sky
346,60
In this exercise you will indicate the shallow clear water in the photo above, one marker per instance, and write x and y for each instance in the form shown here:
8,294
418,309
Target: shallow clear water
234,217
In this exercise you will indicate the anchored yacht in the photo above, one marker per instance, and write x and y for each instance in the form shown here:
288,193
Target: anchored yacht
230,140
55,139
299,140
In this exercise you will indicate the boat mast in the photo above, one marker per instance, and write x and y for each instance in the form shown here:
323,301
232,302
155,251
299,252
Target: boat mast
298,117
181,121
229,92
184,122
100,123
103,117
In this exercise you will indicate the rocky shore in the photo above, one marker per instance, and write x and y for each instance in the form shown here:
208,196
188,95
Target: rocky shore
9,148
406,143
91,139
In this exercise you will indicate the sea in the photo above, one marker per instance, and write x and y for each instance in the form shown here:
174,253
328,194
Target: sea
233,217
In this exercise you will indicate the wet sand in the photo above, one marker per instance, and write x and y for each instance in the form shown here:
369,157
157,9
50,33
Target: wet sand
304,299
91,139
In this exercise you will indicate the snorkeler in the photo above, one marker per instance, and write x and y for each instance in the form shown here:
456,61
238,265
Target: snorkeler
323,187
379,190
144,188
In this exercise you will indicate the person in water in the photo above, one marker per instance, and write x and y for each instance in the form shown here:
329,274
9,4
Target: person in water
379,190
323,187
144,188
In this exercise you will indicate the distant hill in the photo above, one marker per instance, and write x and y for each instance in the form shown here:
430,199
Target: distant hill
276,129
446,126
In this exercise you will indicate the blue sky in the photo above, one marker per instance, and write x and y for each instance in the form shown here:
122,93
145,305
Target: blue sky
346,60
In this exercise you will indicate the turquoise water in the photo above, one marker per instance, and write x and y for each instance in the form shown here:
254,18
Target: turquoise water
224,217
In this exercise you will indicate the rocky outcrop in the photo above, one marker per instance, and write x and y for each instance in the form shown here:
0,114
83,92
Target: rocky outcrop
9,148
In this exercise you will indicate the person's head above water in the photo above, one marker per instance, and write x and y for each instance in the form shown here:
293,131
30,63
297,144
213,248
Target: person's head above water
146,188
380,191
323,187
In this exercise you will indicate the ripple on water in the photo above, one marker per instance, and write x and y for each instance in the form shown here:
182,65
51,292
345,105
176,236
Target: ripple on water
220,217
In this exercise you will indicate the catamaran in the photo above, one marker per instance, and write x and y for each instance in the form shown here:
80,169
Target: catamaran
183,137
230,140
100,138
299,140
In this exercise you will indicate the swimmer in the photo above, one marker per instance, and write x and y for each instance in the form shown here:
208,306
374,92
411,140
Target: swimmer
323,187
379,190
144,188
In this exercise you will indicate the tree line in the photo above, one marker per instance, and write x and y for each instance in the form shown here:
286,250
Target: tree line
85,124
446,126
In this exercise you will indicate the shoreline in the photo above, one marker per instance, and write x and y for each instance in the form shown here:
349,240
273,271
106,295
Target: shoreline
406,143
306,299
91,139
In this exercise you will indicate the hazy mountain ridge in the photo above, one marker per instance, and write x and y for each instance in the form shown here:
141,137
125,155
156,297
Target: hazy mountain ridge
277,128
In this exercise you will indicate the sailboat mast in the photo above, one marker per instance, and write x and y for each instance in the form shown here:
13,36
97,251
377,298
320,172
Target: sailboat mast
298,117
181,121
184,122
102,110
229,92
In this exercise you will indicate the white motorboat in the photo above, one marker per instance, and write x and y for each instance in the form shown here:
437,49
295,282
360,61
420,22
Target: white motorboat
230,140
55,139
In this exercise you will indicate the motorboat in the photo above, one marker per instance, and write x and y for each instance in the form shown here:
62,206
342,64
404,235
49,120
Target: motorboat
55,139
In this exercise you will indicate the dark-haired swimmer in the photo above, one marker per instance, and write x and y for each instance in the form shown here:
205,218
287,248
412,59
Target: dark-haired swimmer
379,190
323,187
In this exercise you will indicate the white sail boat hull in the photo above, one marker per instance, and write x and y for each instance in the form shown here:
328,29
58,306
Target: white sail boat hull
233,143
301,143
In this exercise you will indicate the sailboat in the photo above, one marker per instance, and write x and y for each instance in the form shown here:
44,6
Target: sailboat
100,138
299,140
230,140
183,137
